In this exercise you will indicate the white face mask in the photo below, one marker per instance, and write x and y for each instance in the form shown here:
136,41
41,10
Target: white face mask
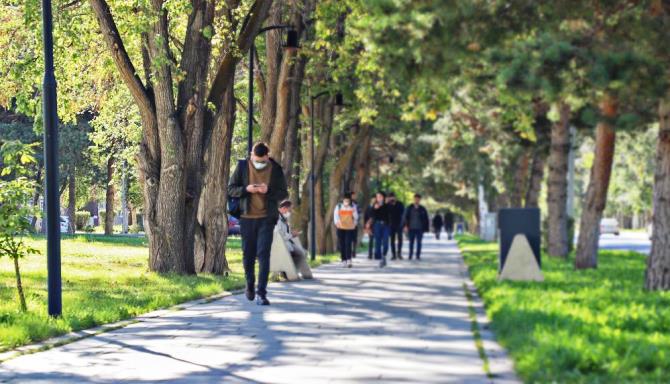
260,164
287,215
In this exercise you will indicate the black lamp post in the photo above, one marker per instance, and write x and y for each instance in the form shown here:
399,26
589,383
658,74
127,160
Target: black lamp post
291,43
339,102
51,165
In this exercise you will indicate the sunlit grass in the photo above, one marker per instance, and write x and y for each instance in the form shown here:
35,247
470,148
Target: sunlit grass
105,279
595,326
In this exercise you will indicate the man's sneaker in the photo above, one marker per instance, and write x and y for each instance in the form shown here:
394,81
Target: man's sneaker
344,263
250,294
382,263
262,300
350,264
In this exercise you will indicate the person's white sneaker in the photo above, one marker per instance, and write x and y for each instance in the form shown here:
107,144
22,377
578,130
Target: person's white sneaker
350,264
344,263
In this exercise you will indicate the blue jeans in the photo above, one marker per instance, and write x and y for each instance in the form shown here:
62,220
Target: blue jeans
382,233
256,243
415,235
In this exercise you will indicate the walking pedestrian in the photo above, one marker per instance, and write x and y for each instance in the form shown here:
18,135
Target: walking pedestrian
345,217
416,223
259,184
449,224
397,210
354,243
379,225
437,224
367,218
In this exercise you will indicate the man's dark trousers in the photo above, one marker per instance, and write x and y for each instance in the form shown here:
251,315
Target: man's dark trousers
256,243
396,248
415,235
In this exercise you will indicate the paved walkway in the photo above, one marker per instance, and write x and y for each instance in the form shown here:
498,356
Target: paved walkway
407,323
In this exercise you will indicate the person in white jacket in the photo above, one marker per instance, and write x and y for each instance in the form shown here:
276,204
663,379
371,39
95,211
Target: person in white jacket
292,241
345,218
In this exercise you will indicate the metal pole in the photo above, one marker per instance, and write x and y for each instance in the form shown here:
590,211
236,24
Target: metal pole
250,108
312,199
51,167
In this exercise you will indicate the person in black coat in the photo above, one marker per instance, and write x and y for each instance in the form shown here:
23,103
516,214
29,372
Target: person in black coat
437,225
416,223
379,225
449,224
397,210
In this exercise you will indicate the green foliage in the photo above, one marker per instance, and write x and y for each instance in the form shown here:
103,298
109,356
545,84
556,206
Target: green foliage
15,213
585,327
81,219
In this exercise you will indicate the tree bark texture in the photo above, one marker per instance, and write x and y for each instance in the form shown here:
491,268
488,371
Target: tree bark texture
596,194
109,197
657,276
72,201
557,186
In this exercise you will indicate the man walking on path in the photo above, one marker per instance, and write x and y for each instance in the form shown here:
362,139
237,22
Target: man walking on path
437,225
416,223
379,225
397,209
367,218
260,185
345,217
449,224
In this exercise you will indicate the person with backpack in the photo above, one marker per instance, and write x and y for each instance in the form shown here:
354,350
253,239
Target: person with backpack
379,226
257,186
437,225
345,218
416,224
397,209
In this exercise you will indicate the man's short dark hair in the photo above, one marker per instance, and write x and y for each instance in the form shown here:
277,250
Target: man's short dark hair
260,149
417,195
347,195
381,193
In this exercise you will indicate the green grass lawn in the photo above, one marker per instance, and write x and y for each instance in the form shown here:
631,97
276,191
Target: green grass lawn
105,279
595,326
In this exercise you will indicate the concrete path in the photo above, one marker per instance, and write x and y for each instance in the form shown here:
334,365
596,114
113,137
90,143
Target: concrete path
407,323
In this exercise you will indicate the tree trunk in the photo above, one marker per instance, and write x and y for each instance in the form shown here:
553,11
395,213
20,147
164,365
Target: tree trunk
540,153
71,201
171,152
596,194
657,276
212,229
19,285
520,178
557,186
109,197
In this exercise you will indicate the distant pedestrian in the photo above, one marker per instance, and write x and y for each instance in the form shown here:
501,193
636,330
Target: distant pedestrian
449,224
416,223
397,210
379,224
354,244
367,218
437,224
345,217
260,185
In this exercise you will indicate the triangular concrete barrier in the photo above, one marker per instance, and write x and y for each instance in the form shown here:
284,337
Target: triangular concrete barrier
520,264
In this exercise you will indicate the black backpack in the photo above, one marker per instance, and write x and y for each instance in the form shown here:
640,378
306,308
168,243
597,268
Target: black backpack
234,204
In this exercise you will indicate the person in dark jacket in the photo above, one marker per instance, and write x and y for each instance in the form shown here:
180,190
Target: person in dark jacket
397,210
449,224
379,225
416,223
367,218
260,185
437,225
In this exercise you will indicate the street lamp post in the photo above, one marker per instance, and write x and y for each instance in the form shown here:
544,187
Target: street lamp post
51,166
291,43
312,176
